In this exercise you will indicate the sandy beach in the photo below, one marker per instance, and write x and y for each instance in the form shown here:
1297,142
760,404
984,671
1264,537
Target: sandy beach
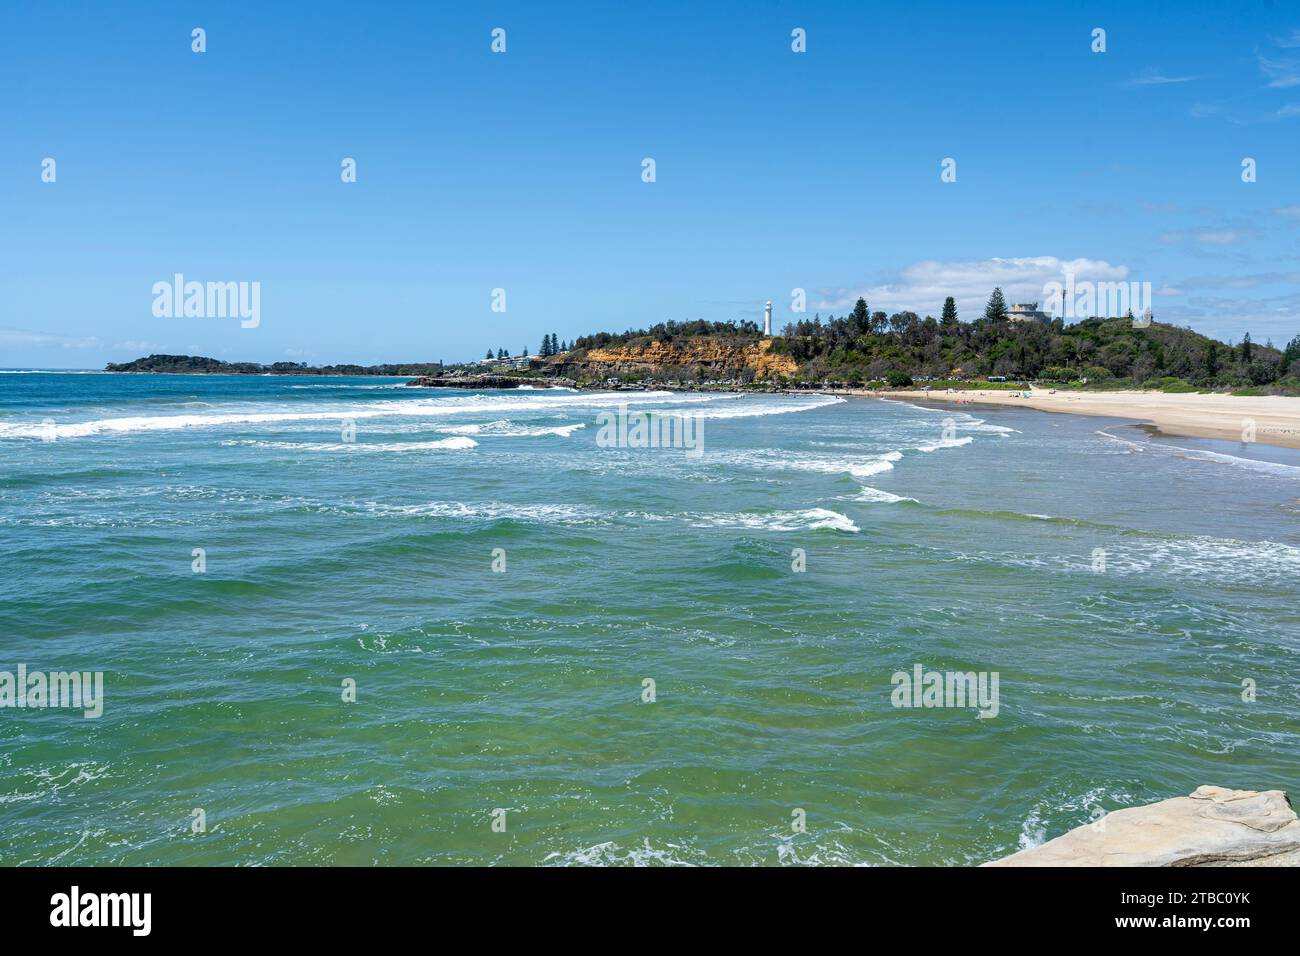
1276,418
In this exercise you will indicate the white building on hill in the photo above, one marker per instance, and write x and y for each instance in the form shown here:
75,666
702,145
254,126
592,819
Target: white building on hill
1027,312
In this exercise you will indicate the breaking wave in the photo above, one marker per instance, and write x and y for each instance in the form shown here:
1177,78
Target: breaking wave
877,495
754,412
508,429
808,520
457,443
944,443
388,408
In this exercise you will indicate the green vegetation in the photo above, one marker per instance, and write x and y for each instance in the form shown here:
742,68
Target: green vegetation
873,347
1096,352
671,331
903,349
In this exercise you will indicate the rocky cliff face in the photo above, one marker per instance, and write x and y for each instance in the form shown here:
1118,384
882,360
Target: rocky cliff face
1211,827
684,359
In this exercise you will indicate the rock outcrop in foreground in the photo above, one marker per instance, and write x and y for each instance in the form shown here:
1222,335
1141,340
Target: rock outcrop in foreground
1212,827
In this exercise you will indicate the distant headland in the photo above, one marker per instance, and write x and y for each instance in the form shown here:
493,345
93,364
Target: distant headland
1006,346
200,365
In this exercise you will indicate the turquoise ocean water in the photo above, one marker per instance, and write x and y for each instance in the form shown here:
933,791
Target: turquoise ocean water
962,540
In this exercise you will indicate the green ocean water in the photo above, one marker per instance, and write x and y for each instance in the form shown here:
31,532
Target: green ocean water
960,540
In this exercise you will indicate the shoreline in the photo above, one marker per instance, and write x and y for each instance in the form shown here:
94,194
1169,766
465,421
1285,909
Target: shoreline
1276,418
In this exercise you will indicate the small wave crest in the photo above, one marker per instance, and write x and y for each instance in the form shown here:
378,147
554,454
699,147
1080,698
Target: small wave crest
945,443
505,428
877,495
753,411
457,443
810,519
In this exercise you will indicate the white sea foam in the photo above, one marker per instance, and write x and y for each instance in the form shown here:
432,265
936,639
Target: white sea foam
979,425
1209,558
562,514
858,466
919,408
508,429
965,420
810,519
611,854
1087,807
770,459
886,497
1200,558
457,443
945,443
46,783
368,387
754,411
1274,468
493,511
413,407
883,464
715,406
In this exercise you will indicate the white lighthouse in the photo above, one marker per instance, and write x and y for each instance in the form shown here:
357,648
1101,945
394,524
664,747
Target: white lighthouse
767,318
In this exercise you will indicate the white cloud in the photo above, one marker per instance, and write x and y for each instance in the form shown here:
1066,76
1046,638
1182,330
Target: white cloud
1282,74
1153,77
1214,237
922,286
1243,281
1228,316
27,337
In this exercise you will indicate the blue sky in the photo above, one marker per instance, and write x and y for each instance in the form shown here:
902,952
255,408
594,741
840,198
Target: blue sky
522,170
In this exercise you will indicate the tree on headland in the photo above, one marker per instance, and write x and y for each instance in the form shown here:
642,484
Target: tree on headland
996,310
861,317
1212,359
830,350
488,355
949,317
1246,347
1290,355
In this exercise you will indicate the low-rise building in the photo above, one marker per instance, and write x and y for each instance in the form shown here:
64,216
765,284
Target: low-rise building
1027,312
517,362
